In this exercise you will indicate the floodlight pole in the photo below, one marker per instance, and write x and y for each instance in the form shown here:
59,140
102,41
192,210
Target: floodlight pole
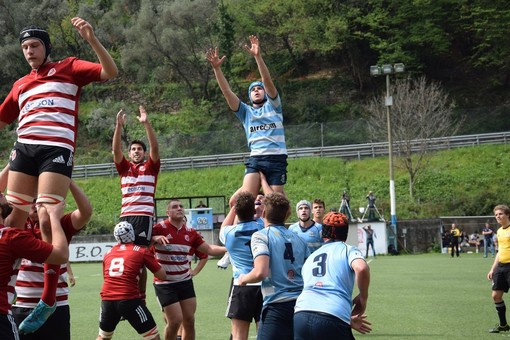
389,103
388,69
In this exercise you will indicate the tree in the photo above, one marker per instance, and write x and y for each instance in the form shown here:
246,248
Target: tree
421,111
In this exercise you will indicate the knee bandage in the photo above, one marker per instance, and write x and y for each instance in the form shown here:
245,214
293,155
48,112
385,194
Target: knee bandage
20,201
153,333
49,199
105,335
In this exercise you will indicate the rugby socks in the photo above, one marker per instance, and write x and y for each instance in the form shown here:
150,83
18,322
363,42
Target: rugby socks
51,274
501,309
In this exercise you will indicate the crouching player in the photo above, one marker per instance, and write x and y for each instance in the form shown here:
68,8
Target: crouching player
120,295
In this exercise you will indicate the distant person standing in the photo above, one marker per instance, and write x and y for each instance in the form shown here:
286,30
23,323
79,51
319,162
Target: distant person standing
370,234
454,239
500,270
345,205
488,234
371,206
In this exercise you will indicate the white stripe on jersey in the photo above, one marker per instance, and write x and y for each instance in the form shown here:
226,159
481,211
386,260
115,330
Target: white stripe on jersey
64,88
141,178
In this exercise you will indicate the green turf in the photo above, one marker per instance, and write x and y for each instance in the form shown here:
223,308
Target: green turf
430,296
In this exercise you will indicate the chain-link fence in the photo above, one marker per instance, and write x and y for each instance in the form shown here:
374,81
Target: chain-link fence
234,141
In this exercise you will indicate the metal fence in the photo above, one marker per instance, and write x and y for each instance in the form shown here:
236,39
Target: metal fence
352,151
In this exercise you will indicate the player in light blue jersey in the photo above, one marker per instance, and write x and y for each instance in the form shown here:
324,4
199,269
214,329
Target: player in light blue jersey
262,122
306,228
278,255
324,310
245,302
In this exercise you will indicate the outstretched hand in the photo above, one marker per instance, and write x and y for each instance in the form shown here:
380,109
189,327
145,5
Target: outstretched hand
121,118
143,115
360,323
254,49
84,28
212,55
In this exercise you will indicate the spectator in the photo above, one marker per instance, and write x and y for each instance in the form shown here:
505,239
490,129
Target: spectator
454,239
488,243
370,234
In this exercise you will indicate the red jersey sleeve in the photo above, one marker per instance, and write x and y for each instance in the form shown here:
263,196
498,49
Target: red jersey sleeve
123,166
9,110
150,261
85,72
24,245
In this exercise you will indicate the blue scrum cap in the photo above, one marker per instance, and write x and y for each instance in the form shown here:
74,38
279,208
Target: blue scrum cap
256,83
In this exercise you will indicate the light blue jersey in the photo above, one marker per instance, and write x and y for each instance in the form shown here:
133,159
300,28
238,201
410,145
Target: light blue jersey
264,127
237,240
329,281
287,253
311,235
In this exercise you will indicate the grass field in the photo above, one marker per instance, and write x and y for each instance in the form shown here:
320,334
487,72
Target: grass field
429,296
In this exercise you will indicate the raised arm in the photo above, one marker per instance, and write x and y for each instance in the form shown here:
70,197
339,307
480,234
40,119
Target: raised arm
83,213
60,252
116,142
254,50
151,135
86,31
215,61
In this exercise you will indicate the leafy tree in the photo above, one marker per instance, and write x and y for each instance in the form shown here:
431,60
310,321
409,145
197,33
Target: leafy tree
421,111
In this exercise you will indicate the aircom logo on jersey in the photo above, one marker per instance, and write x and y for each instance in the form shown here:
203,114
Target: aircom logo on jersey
262,127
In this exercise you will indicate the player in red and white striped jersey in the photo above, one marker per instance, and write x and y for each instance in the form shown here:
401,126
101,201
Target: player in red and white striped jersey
45,103
32,276
15,244
174,247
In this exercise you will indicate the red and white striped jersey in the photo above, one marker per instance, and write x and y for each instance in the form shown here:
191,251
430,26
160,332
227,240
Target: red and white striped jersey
30,281
175,257
15,244
138,186
46,102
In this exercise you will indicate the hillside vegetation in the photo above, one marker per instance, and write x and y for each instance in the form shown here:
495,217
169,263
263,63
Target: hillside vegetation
466,181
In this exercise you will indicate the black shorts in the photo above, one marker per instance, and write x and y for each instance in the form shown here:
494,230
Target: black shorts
134,311
142,225
35,159
274,167
56,327
501,277
245,303
8,329
170,293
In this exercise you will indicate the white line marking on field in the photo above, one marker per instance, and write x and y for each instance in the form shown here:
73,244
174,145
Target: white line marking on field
95,274
368,262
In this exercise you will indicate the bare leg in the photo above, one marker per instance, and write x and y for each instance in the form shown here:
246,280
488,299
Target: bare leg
189,306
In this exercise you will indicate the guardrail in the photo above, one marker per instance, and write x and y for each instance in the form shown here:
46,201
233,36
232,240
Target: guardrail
357,151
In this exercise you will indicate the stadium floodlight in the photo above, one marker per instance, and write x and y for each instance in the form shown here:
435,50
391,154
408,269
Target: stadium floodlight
386,70
375,70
